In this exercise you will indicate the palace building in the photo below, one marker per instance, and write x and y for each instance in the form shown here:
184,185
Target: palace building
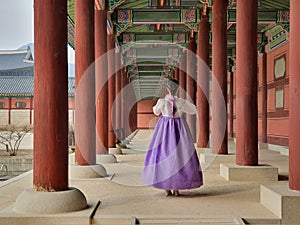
16,89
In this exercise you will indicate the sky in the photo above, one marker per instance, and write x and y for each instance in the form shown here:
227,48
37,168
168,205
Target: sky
16,25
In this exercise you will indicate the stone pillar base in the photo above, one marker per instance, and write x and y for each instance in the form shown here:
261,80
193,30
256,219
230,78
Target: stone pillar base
120,145
115,151
126,141
86,172
234,172
30,201
129,138
282,201
283,150
202,150
105,158
207,157
231,139
263,145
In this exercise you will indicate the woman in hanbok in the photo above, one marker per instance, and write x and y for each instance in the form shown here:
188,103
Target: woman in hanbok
171,161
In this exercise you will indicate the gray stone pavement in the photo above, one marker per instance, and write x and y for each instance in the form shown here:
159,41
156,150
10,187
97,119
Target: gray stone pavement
124,200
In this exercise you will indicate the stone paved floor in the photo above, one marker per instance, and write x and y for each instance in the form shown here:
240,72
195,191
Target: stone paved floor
123,196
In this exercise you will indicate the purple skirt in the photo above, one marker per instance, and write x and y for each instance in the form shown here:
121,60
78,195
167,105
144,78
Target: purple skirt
171,161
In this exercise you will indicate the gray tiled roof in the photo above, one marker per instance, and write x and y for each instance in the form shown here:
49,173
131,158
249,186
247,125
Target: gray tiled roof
71,85
16,85
23,85
16,59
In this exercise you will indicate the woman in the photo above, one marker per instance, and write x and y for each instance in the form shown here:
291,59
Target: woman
171,161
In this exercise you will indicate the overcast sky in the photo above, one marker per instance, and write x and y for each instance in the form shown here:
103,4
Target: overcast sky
16,25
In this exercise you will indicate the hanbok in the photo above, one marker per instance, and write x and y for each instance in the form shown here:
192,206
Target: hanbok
171,161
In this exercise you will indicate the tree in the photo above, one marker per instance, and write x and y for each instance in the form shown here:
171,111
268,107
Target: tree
12,137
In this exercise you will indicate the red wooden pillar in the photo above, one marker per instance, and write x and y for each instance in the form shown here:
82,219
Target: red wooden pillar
173,74
246,84
30,110
294,111
176,73
117,103
9,110
127,108
133,116
182,75
123,103
111,89
160,4
219,81
231,102
264,115
101,80
132,110
203,82
85,135
50,169
191,85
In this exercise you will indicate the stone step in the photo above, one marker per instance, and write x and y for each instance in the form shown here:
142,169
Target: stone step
169,220
191,220
283,202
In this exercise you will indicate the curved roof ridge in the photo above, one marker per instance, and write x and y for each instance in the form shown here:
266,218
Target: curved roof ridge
10,52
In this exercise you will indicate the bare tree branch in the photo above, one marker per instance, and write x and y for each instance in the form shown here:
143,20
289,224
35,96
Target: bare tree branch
13,137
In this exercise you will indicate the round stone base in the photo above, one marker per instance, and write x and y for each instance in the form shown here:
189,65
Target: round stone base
115,151
86,172
121,145
106,158
37,202
126,141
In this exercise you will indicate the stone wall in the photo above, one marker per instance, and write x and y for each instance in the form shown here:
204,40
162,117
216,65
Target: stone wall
3,117
16,165
20,116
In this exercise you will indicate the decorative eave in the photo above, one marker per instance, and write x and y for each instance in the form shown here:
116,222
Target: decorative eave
113,4
276,35
9,95
71,32
129,17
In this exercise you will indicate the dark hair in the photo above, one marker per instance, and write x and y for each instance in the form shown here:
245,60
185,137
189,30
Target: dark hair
172,84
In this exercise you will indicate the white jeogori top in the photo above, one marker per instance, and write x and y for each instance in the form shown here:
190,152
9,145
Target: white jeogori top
164,107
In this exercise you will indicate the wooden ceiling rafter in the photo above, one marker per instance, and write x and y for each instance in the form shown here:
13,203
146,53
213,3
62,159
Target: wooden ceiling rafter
271,12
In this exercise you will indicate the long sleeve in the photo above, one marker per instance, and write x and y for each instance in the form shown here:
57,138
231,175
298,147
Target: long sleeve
163,106
158,107
186,106
189,107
